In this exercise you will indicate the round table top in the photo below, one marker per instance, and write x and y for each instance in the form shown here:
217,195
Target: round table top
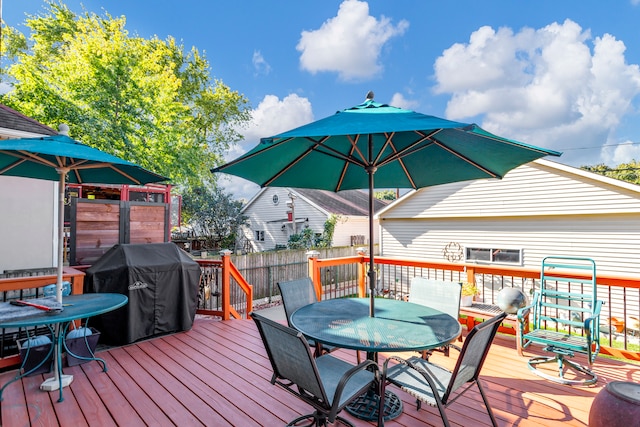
74,307
397,325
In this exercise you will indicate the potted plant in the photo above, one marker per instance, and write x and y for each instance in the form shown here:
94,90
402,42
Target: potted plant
469,290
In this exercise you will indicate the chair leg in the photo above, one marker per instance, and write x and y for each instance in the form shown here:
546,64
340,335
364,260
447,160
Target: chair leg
317,420
486,404
562,362
443,415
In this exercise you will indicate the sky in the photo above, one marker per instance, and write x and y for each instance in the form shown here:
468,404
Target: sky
562,75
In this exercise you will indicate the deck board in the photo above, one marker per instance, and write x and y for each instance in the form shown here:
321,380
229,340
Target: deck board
217,374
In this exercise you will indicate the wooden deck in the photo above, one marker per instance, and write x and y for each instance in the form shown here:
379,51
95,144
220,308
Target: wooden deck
217,374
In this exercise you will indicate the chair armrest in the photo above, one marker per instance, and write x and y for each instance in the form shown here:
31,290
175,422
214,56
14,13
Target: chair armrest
524,311
350,373
426,375
595,315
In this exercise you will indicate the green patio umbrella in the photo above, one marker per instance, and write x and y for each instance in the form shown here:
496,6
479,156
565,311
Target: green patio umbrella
60,158
401,148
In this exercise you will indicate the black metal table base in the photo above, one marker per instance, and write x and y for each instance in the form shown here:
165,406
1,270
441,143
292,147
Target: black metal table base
366,406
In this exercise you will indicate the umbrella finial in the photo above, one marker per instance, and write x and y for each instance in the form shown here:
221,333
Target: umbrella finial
369,96
63,129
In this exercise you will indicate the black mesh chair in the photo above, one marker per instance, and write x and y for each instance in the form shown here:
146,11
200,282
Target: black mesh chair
435,385
298,293
326,383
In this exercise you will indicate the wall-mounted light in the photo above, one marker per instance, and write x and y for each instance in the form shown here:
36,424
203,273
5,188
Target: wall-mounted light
283,228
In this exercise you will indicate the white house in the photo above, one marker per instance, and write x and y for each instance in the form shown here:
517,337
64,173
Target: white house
538,209
28,214
275,213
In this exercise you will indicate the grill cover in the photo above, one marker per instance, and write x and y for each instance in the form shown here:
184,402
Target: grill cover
161,281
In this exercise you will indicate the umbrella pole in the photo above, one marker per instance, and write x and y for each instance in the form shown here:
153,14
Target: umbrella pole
59,380
61,184
372,271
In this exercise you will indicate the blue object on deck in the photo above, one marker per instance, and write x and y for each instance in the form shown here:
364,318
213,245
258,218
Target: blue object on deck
50,290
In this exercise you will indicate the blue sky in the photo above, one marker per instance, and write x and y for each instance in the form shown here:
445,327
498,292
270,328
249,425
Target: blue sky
559,74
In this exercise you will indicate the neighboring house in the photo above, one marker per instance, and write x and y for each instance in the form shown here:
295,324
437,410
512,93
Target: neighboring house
275,211
538,209
28,214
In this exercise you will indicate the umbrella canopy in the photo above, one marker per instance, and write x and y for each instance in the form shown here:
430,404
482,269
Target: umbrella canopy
60,158
401,148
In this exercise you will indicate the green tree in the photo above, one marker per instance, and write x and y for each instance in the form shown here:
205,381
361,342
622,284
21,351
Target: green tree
629,172
326,240
385,195
146,100
214,216
306,239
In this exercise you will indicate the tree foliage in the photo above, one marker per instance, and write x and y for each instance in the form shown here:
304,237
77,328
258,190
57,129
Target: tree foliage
629,172
146,100
307,238
385,195
213,215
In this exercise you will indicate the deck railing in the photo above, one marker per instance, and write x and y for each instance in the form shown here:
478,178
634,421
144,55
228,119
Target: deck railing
620,324
223,291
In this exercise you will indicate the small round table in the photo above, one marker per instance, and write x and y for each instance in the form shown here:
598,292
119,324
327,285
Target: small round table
396,326
74,307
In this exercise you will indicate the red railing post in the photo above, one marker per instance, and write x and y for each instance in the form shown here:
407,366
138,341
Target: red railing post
362,273
314,272
226,284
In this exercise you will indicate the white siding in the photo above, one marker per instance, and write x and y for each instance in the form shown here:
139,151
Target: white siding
348,226
28,218
612,241
534,187
541,209
269,217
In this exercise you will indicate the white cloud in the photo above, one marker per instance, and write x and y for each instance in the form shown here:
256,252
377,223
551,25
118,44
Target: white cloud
5,88
621,153
398,100
260,65
272,116
348,44
554,87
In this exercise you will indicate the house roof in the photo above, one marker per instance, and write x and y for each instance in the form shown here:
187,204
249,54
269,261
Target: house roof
348,202
16,125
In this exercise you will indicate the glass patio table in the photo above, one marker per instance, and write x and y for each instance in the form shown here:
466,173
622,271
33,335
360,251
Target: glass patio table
397,326
74,307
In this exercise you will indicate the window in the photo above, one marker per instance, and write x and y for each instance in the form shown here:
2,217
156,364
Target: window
259,236
494,255
275,199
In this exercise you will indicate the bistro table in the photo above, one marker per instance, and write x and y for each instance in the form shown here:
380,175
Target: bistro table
396,326
74,307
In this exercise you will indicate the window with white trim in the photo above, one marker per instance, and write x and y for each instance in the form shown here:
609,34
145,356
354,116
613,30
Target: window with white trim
259,236
493,255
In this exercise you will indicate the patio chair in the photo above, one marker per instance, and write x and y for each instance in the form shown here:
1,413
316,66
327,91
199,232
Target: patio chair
326,383
298,293
442,295
565,318
435,385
